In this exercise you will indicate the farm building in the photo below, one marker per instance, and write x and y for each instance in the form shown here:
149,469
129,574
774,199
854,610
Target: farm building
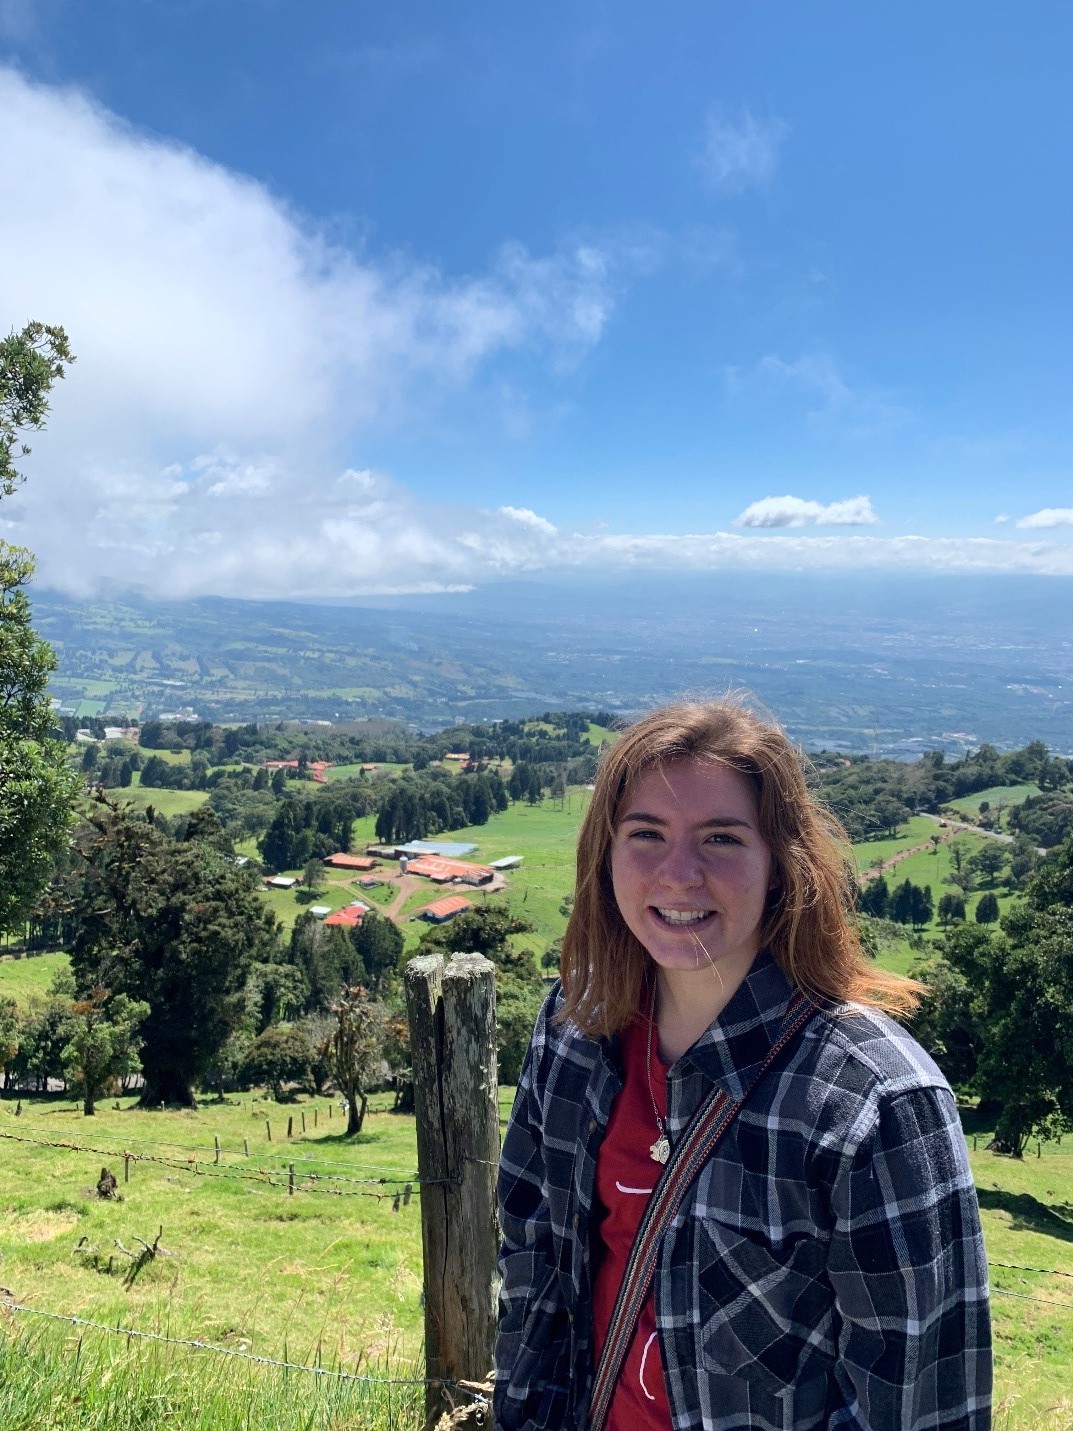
320,911
282,881
508,862
369,882
342,861
449,849
442,871
444,909
351,915
316,768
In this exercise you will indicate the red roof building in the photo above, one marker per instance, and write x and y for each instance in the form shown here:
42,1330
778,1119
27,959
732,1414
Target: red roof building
444,909
348,917
343,861
443,871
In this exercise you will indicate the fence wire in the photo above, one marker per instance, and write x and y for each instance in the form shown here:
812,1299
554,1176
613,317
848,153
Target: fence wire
194,1344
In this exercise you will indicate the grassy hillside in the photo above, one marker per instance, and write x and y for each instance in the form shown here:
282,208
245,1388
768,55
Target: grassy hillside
28,978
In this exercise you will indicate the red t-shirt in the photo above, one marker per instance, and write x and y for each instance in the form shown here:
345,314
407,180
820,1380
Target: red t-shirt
626,1175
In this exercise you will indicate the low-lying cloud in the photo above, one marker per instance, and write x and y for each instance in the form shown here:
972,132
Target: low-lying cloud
798,512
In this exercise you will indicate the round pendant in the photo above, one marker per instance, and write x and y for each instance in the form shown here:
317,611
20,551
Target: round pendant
660,1150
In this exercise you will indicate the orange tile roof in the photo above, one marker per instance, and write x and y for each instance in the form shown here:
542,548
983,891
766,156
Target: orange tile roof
348,916
436,867
341,861
452,904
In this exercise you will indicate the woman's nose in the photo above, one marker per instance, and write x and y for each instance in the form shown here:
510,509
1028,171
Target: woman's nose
681,867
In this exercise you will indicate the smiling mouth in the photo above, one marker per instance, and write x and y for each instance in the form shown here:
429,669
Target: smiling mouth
680,917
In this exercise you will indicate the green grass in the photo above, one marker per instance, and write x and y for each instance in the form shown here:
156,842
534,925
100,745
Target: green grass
29,978
916,831
997,795
166,802
92,1381
338,1278
316,1273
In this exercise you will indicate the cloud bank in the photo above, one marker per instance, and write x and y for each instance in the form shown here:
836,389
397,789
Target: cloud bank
797,512
232,360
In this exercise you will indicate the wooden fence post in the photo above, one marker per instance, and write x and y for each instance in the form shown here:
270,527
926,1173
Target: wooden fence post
451,1013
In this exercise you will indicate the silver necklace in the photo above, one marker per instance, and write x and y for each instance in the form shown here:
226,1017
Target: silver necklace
660,1150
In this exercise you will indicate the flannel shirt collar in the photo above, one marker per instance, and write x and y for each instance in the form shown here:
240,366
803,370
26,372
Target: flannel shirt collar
730,1051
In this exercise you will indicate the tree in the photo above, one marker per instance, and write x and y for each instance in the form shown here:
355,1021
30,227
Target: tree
902,906
998,1024
103,1043
987,910
37,788
378,943
30,362
313,876
355,1050
951,907
874,898
988,861
176,924
10,1037
280,1054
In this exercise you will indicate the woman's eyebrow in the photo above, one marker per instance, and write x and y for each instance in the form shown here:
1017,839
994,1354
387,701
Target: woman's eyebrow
718,822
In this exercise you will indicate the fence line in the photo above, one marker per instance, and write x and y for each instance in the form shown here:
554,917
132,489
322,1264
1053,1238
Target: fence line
132,1334
389,1175
206,1169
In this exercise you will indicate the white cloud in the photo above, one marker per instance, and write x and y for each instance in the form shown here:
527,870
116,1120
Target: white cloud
1047,518
740,152
797,512
1001,518
228,354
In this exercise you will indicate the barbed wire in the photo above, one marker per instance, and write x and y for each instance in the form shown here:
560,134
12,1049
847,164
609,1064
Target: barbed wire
8,1304
389,1173
207,1169
1017,1267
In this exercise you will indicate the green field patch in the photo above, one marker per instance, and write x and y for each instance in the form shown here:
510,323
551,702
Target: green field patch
916,831
166,802
999,798
328,1268
30,977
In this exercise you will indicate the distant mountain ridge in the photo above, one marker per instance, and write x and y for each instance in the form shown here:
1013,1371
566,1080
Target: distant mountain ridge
863,664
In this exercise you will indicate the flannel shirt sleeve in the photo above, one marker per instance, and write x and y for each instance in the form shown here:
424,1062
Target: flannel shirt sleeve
529,1342
909,1273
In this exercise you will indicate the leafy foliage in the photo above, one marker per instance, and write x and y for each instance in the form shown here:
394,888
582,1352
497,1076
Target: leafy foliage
175,924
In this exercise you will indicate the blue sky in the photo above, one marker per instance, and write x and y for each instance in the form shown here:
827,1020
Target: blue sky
414,296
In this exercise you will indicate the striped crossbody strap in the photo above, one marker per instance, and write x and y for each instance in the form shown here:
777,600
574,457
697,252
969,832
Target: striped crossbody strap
692,1151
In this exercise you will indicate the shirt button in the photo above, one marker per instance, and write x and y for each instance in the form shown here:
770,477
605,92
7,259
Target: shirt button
575,1219
592,1125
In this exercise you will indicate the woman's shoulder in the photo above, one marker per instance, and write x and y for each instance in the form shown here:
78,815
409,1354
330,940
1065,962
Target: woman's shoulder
864,1052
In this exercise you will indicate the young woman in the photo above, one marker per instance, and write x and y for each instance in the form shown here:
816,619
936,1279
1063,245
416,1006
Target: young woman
824,1265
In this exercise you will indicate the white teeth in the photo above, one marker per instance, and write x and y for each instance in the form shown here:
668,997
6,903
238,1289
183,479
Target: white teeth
683,916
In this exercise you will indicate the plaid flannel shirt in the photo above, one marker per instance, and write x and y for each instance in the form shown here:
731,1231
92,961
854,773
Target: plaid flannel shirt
827,1267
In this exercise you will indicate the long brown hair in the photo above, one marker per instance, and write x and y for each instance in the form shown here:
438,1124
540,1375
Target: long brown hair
810,925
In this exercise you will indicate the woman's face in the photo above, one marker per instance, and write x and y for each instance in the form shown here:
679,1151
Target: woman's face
690,869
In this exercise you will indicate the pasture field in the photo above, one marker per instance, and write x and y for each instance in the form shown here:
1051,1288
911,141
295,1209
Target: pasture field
916,831
331,1272
168,802
996,796
29,977
326,1277
934,865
